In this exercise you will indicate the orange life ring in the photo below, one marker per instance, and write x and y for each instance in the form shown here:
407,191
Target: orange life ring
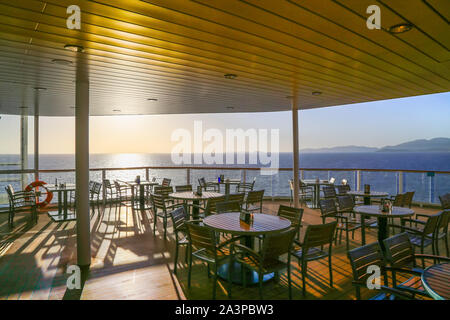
37,184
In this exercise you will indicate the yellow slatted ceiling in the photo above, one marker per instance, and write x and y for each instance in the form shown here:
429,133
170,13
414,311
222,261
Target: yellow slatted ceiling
178,51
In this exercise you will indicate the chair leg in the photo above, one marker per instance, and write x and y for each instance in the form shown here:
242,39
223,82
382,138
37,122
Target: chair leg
230,272
190,267
347,238
165,225
446,245
154,223
330,268
176,259
304,271
260,281
289,279
215,282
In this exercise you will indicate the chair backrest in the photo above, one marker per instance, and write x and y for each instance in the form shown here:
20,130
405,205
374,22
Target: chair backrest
329,192
202,182
162,190
96,187
158,201
363,257
443,221
107,184
211,204
91,185
346,203
255,197
343,189
165,182
179,218
445,201
327,208
228,206
201,237
399,251
10,191
277,244
398,200
184,188
319,235
294,215
236,197
431,223
407,199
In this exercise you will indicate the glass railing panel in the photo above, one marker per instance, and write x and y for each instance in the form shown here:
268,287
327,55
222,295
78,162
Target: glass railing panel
178,177
442,185
263,182
419,183
340,175
213,174
124,175
281,186
383,181
314,174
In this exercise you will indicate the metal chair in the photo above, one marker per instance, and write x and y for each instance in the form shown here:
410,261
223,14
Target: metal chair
342,189
445,201
209,186
304,193
203,246
20,202
123,191
399,254
110,190
254,201
268,259
312,248
236,197
161,209
228,206
329,192
210,207
165,182
245,186
328,210
179,218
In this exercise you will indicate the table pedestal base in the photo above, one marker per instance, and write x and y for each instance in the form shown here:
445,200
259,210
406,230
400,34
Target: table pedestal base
61,217
236,276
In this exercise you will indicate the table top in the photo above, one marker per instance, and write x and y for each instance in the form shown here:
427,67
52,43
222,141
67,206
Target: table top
436,280
142,182
371,194
374,210
230,181
191,195
315,182
67,187
261,224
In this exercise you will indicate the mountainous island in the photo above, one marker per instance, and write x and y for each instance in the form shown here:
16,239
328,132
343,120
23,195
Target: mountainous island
421,145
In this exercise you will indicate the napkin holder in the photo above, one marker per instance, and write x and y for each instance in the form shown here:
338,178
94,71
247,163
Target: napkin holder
245,217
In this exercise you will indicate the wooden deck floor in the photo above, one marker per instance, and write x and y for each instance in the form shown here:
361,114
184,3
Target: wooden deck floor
130,262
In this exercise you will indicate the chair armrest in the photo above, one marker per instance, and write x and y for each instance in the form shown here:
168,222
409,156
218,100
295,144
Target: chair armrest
422,215
430,256
395,269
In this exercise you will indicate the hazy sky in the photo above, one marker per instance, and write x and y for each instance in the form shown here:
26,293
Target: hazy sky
372,124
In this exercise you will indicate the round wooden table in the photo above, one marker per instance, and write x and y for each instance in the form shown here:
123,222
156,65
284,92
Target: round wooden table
382,218
195,198
262,224
367,196
228,183
436,281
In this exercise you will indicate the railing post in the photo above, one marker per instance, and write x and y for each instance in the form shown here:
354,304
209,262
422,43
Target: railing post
188,176
103,183
244,173
431,189
147,174
358,180
400,186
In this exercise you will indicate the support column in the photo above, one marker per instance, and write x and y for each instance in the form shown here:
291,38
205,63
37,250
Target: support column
82,164
36,136
24,149
295,149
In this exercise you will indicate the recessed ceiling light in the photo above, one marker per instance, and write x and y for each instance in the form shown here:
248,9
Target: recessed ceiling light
74,47
39,88
230,108
316,93
401,28
23,107
230,76
116,110
62,61
72,107
152,99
